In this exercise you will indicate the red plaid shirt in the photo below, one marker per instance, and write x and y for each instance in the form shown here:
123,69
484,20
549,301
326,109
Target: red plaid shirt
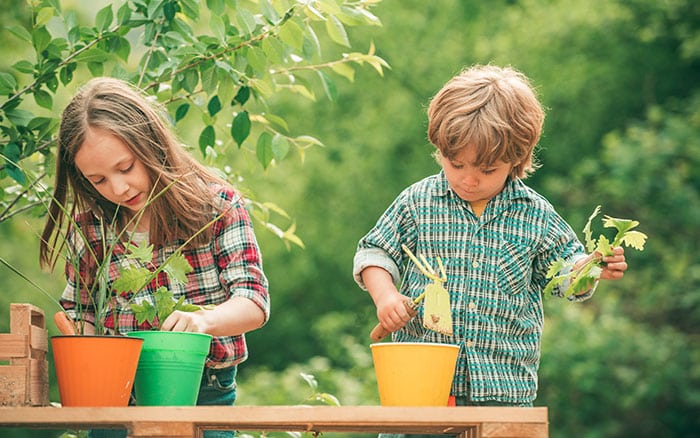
229,266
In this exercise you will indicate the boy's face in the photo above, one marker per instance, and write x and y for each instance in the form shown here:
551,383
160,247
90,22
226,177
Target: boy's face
473,183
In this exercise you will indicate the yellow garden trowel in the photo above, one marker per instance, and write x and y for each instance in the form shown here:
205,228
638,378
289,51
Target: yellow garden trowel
437,314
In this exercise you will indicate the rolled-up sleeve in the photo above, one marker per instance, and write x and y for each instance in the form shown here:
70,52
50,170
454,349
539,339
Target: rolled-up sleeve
239,258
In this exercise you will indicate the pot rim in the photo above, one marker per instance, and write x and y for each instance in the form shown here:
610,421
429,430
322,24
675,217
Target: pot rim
436,344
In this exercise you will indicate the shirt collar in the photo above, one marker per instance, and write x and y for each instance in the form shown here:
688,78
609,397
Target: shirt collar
514,188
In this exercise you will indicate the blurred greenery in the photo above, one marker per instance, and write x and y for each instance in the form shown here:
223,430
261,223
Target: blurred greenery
621,83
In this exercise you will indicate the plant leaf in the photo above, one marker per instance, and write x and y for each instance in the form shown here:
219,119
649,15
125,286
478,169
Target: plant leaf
144,311
165,303
604,247
622,225
590,243
635,239
143,253
131,279
555,267
178,267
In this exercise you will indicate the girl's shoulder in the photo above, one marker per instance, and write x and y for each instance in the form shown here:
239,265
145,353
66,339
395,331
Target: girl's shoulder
86,228
88,222
225,195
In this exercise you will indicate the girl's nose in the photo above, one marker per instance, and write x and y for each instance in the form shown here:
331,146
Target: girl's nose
120,187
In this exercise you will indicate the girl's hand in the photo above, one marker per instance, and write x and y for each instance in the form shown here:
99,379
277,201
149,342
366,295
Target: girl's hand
184,322
614,266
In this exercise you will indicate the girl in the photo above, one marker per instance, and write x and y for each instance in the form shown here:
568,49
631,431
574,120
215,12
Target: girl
114,153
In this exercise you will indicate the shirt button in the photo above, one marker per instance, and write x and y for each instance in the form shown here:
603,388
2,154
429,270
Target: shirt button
472,306
469,344
475,264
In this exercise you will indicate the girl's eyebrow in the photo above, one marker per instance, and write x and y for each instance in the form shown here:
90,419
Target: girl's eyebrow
116,165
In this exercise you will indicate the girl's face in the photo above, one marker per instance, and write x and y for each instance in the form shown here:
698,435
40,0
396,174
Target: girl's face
114,171
473,183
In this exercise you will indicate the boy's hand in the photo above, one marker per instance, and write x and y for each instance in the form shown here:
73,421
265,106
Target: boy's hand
614,266
392,311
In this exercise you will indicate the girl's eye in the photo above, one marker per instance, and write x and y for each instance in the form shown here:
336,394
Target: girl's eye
97,182
128,168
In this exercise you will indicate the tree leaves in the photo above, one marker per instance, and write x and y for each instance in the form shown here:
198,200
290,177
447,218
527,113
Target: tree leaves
240,128
245,57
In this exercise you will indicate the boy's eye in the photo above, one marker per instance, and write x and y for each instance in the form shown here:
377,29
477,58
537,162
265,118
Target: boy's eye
487,171
457,165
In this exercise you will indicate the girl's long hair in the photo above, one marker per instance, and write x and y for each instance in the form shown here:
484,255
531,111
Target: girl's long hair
187,201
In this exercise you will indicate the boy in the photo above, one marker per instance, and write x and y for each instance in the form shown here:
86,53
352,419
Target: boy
496,237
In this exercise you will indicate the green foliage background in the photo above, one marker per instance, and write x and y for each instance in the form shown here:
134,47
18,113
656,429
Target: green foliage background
621,84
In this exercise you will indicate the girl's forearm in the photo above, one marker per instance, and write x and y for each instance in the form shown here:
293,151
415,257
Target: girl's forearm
236,316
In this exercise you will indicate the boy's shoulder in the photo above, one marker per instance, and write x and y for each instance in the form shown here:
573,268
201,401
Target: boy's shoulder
517,192
433,185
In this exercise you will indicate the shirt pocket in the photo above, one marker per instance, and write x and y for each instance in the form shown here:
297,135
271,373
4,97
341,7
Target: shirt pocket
514,268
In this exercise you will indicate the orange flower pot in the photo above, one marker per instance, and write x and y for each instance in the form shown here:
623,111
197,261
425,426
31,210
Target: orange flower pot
95,370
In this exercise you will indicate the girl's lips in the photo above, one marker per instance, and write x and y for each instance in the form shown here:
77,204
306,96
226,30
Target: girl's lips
133,201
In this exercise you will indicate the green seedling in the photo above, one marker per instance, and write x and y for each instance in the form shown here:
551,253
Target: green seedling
136,276
584,277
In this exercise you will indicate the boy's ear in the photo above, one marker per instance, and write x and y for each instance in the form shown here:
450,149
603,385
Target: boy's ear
515,170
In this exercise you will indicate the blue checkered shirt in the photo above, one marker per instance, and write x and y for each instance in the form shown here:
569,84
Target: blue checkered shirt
495,266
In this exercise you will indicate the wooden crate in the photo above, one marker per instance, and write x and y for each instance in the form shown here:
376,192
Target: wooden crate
25,380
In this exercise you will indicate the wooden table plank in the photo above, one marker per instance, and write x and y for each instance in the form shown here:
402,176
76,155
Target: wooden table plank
150,421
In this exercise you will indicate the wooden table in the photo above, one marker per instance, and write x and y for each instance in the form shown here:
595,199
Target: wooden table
175,422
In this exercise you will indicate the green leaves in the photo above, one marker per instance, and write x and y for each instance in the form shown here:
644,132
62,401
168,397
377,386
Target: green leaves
583,277
134,276
165,305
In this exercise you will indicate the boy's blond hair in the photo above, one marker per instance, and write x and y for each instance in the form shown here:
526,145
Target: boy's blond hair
493,109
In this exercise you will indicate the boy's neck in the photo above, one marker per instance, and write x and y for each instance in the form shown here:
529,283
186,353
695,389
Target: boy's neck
479,206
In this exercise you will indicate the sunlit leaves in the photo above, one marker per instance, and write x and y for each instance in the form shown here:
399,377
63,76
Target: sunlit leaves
43,16
328,86
263,149
292,35
271,147
246,21
8,84
104,18
336,31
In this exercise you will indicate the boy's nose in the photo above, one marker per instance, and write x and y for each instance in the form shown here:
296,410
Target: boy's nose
470,180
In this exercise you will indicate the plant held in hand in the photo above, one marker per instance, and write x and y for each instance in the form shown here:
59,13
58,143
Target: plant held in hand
133,278
582,278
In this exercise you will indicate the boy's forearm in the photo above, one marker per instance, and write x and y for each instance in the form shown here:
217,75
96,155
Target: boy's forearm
378,282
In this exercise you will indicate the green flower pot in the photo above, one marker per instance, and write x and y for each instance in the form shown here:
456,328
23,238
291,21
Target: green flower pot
170,367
